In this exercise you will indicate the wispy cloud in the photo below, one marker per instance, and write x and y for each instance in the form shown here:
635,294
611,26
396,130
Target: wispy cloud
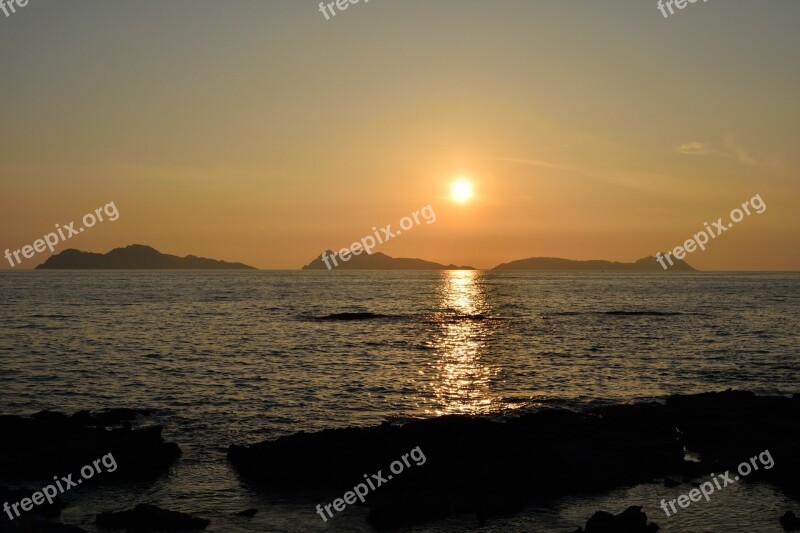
695,148
730,149
622,178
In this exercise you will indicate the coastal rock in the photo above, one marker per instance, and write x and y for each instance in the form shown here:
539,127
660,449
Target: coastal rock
33,524
486,467
51,443
145,518
631,520
46,510
109,417
352,316
730,427
35,520
790,521
471,464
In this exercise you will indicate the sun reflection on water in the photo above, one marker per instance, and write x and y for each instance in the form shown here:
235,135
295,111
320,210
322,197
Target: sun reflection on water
462,383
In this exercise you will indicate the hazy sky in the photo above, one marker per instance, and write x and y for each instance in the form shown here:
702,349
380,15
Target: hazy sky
257,131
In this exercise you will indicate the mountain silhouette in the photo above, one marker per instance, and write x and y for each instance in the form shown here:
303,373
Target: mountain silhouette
646,264
134,257
381,261
378,261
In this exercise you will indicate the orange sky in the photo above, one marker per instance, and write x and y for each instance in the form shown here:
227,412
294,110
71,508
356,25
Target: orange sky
260,132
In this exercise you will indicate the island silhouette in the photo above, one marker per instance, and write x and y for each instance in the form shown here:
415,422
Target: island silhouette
134,257
381,261
142,257
645,264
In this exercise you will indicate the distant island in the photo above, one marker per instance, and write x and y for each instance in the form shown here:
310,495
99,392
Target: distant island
646,264
379,261
141,257
134,257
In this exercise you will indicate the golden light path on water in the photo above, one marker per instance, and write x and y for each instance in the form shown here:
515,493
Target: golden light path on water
463,384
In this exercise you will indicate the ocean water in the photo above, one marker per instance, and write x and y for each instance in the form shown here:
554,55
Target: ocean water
239,357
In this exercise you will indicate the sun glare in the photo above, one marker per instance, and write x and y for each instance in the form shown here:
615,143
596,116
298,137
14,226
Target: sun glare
461,191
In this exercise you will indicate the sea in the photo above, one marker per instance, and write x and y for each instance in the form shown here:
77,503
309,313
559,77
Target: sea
237,357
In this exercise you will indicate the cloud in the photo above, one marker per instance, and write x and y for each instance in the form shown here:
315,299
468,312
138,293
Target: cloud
623,178
731,149
694,148
738,152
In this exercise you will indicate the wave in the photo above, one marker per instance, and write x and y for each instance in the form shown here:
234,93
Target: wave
435,318
620,313
353,316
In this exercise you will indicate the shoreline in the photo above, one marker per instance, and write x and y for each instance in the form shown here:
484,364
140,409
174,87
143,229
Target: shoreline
475,466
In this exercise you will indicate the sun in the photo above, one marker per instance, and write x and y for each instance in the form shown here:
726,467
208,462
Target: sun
461,191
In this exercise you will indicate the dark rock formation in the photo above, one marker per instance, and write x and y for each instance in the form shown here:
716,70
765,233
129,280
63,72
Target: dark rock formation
35,520
34,524
729,428
488,468
631,520
106,417
45,510
134,257
352,316
49,444
249,513
146,518
472,464
790,522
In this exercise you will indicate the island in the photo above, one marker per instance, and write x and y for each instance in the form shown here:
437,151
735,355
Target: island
646,264
134,257
377,261
381,261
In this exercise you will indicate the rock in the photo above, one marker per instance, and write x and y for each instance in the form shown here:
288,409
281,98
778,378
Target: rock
33,521
728,428
790,522
146,518
489,468
472,465
352,316
35,524
46,510
249,513
631,520
109,417
671,482
50,443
